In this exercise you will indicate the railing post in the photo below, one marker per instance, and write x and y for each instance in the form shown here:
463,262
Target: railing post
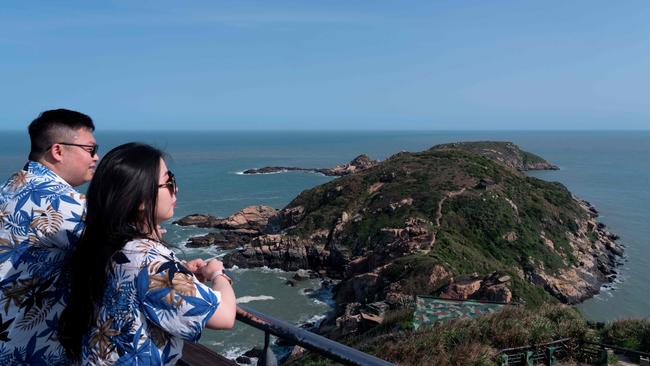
268,357
550,356
602,357
529,358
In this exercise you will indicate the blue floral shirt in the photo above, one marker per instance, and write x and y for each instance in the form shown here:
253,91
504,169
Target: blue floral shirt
151,304
40,223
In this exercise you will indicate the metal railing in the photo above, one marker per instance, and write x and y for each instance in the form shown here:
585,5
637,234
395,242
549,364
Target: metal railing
303,338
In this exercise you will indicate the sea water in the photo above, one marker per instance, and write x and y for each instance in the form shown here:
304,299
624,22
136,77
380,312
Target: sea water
610,169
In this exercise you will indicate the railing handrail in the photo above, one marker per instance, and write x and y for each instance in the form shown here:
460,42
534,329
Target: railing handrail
617,348
308,340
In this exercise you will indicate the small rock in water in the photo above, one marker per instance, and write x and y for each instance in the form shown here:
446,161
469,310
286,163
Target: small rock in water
301,274
243,360
290,283
253,352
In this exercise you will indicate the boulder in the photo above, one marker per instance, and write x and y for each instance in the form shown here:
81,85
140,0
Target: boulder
462,290
438,273
251,217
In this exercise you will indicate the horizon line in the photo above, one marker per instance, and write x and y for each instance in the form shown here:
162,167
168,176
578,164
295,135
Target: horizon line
356,130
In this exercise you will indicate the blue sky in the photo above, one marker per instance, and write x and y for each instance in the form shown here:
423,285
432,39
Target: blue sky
246,65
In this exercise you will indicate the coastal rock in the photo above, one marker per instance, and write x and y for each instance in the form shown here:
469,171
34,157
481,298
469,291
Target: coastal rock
289,253
225,239
251,217
357,164
198,220
285,218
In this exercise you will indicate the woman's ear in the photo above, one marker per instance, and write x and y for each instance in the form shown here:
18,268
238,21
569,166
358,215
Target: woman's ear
141,207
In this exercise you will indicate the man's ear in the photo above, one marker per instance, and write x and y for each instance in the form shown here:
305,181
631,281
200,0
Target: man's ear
56,153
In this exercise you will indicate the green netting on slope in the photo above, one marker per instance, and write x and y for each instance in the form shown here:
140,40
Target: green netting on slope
430,310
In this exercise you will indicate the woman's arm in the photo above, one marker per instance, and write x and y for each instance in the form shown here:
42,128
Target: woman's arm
224,316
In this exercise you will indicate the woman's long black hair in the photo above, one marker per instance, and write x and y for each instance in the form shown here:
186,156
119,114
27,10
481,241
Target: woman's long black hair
121,205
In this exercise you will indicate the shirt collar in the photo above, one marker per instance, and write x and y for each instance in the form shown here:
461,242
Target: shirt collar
40,170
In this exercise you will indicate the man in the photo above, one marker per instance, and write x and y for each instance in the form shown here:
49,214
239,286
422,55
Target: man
41,220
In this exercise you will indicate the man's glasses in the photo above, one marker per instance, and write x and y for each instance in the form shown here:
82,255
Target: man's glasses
92,151
170,183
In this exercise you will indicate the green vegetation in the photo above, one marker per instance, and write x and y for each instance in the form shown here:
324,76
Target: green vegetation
627,333
465,341
478,341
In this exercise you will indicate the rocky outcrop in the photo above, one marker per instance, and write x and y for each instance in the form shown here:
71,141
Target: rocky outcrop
225,239
249,218
287,252
198,220
493,287
596,262
357,164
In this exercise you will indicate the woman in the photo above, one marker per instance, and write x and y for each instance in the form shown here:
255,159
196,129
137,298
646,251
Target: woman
132,301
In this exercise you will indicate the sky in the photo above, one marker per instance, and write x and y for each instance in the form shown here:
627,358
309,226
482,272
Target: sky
328,65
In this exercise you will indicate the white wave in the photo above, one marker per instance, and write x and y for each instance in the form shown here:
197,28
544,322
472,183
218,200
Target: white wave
233,353
319,302
314,319
264,269
247,299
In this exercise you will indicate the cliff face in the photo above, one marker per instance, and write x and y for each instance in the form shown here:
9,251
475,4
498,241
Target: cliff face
446,221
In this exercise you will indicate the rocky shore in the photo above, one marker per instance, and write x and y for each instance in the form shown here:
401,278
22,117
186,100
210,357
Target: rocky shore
457,221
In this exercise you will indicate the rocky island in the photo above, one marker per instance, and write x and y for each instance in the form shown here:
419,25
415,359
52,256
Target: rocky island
357,164
458,221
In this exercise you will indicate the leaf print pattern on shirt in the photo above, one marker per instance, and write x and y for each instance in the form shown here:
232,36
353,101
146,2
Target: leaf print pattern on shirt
39,223
101,338
18,180
154,302
47,221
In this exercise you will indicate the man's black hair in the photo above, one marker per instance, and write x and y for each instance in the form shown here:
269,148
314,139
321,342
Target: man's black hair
53,125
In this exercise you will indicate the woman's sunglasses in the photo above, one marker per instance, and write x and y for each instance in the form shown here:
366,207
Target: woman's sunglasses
170,183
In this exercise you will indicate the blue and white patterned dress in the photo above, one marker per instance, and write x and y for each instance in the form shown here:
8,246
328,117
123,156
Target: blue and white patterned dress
41,221
152,303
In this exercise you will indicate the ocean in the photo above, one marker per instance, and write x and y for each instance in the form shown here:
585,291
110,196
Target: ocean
610,169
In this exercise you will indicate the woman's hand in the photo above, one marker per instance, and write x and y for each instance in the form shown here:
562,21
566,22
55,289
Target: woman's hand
211,268
195,266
